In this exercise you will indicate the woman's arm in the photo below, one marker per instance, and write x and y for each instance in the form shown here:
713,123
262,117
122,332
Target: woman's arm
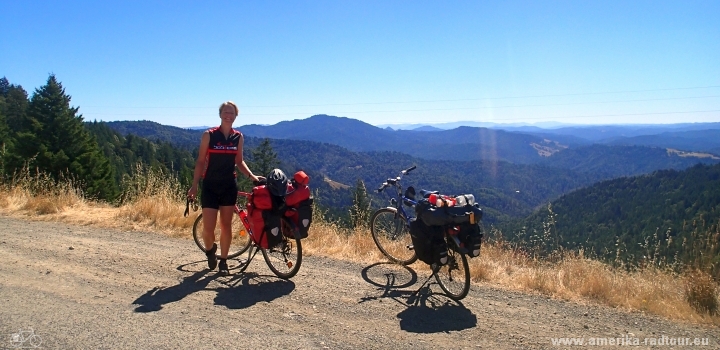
240,162
200,164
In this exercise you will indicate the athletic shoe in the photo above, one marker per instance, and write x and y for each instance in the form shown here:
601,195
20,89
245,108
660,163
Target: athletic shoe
224,267
212,259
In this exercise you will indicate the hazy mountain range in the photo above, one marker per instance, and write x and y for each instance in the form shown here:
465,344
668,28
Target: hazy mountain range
466,159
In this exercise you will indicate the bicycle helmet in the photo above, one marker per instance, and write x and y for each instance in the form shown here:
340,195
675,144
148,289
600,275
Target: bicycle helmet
277,183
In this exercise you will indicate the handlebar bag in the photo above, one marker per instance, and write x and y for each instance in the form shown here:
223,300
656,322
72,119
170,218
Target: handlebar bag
428,242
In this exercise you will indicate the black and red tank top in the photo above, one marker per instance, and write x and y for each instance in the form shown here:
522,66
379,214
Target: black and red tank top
220,158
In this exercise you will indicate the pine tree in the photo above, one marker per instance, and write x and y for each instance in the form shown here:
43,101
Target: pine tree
5,138
360,210
264,159
58,141
16,104
13,110
4,86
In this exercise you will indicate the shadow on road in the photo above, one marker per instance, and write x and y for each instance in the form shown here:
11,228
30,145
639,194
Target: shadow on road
154,299
236,291
434,313
247,289
389,276
427,312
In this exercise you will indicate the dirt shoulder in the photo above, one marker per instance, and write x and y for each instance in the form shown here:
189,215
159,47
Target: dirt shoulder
86,287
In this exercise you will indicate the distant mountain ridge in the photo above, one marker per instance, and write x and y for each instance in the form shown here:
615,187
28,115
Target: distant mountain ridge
463,143
454,169
691,140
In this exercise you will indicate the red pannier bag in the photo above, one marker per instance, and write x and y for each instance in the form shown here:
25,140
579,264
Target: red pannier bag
299,200
258,212
261,198
297,195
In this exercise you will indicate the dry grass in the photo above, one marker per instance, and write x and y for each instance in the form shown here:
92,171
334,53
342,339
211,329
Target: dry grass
151,204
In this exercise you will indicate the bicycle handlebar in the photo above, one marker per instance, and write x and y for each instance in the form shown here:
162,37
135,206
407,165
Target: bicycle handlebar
408,170
393,182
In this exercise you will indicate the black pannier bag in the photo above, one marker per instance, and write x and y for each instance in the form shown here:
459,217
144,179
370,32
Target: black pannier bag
299,202
470,236
273,231
277,186
440,216
428,242
304,212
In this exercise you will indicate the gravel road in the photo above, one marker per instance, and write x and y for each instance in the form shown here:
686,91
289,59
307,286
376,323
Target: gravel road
85,287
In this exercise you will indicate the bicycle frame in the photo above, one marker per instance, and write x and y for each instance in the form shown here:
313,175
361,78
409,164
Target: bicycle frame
398,199
243,218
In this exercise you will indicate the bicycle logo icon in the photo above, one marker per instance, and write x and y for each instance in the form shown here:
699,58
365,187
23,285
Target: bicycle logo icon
25,339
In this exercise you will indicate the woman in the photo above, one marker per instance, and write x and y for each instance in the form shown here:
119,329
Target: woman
221,149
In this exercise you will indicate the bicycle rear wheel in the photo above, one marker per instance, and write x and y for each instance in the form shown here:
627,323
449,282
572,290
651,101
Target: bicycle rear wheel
285,258
238,245
392,236
454,277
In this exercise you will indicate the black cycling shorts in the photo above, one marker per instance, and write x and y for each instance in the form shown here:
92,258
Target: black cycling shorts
219,193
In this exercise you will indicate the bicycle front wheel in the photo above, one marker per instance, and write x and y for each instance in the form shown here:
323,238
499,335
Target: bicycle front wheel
391,235
238,245
454,277
285,258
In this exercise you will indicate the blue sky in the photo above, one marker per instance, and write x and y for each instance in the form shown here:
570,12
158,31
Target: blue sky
383,62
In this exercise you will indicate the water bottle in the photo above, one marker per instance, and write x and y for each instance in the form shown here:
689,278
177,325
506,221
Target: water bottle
432,199
470,199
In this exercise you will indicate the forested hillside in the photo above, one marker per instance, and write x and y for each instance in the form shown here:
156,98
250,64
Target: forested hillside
696,140
661,213
607,162
47,134
185,138
126,152
508,190
505,190
50,136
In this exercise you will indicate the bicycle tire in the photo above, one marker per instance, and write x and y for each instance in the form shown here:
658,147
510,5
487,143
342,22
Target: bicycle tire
280,258
238,245
392,236
35,340
447,276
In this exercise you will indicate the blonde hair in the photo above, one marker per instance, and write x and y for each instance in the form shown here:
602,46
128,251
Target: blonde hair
229,103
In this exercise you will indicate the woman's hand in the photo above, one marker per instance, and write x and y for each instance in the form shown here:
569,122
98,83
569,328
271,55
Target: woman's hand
192,192
258,180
